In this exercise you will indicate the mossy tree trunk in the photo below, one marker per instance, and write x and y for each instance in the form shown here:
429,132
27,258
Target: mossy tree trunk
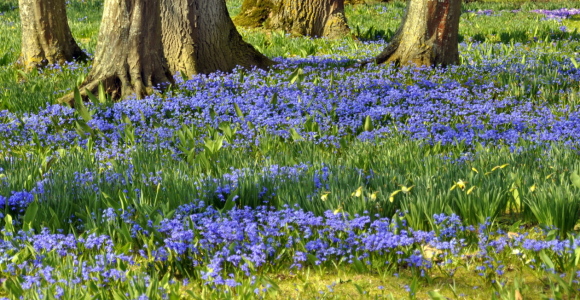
129,56
200,37
427,36
355,2
315,18
46,36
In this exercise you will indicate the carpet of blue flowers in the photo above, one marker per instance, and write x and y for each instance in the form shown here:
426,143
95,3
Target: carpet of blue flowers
222,181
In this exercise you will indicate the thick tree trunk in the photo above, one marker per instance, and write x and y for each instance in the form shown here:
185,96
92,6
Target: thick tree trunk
129,56
427,36
312,18
46,36
200,37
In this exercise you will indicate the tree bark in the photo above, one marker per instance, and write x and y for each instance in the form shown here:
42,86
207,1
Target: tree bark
129,56
427,36
200,37
46,36
315,18
355,2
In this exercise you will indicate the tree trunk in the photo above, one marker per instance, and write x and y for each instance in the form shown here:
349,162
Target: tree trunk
355,2
129,56
200,37
427,36
312,18
46,36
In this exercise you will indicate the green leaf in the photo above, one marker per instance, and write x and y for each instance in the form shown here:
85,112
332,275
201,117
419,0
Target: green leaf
267,281
359,266
82,128
312,259
359,289
547,260
8,226
102,94
183,75
436,296
574,62
576,256
368,124
80,106
117,295
575,179
239,111
54,219
30,215
230,203
192,295
91,96
274,100
295,135
14,288
297,76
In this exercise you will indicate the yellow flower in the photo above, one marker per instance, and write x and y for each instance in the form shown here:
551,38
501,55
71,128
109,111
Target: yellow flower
499,167
358,192
392,196
374,196
405,189
459,184
470,190
324,196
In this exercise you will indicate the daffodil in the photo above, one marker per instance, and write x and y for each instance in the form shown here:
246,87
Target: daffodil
470,190
404,190
358,192
459,184
499,167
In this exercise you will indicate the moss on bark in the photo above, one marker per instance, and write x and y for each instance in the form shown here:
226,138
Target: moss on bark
311,18
254,13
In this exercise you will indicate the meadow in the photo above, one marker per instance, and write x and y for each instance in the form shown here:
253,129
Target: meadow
317,179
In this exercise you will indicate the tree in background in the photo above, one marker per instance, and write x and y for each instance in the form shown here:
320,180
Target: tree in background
427,36
46,36
200,37
311,18
129,55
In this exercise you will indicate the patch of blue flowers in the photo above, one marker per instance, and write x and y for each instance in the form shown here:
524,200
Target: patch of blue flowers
228,248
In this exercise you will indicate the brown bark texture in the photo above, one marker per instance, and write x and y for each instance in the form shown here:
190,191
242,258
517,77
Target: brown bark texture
129,56
427,36
316,18
46,36
199,37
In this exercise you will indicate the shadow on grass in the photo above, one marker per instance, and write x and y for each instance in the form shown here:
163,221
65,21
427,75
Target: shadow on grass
8,5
